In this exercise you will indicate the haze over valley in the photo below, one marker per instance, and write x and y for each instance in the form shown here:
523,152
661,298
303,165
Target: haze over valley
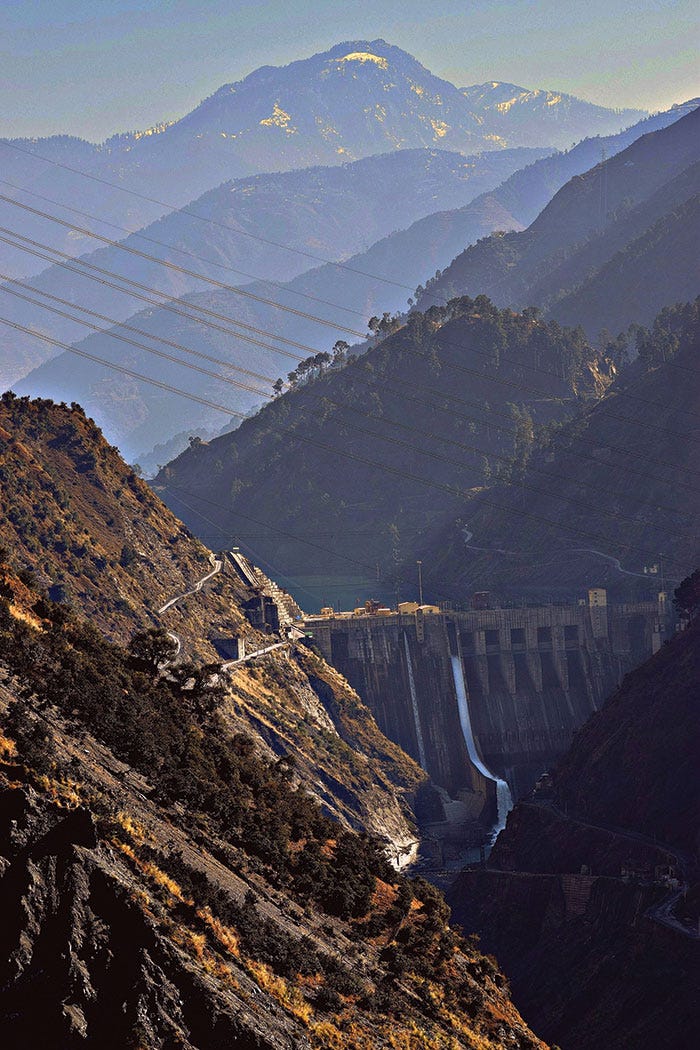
349,544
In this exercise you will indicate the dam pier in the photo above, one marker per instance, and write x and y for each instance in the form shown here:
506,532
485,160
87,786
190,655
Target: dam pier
486,700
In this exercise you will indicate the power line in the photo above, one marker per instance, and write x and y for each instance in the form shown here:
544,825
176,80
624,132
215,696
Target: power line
265,524
298,313
183,269
489,424
73,266
140,346
432,483
127,327
215,222
360,361
406,349
183,251
472,449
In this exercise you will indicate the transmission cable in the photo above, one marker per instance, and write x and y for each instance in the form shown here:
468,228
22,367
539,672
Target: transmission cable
359,361
472,449
130,328
416,353
215,222
432,483
73,267
183,269
183,251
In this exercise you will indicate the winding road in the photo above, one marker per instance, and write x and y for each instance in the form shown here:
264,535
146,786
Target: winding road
216,562
250,656
662,911
566,550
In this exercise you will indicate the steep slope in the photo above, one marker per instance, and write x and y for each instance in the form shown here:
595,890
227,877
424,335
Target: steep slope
75,520
75,516
587,224
612,776
639,272
624,803
638,447
359,460
162,884
520,116
271,226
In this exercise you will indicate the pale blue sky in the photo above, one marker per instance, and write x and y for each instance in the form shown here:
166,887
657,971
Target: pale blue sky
93,67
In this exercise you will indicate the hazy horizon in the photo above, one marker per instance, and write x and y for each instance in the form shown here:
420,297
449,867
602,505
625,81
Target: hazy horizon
95,74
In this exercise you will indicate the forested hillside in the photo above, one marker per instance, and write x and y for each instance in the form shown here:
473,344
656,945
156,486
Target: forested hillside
365,456
599,498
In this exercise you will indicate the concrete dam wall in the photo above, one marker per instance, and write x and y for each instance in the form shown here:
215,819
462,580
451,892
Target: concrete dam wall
532,677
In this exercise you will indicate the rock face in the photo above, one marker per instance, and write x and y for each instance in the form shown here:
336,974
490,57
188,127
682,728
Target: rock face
590,898
85,964
77,521
163,885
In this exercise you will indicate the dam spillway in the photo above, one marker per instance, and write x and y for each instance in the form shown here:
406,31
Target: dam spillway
504,798
531,677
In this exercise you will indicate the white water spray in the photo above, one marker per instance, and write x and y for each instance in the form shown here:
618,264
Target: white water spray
414,704
504,799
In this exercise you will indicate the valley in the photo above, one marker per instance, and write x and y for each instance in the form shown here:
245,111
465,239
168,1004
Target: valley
349,586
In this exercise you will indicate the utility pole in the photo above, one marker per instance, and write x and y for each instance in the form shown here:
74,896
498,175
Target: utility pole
420,582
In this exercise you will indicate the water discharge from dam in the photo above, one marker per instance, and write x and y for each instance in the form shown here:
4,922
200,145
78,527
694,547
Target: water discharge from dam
504,800
414,704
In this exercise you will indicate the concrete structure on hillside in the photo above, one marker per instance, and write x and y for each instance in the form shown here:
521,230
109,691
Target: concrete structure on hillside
533,676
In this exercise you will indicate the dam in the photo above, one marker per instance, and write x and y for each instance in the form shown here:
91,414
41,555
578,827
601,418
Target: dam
486,700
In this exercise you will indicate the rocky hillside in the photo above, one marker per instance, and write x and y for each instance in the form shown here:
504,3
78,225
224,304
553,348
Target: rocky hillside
594,251
77,523
364,457
164,884
602,497
575,883
86,528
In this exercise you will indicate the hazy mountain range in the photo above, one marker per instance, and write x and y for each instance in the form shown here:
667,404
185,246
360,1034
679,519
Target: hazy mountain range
612,246
139,416
357,99
271,226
